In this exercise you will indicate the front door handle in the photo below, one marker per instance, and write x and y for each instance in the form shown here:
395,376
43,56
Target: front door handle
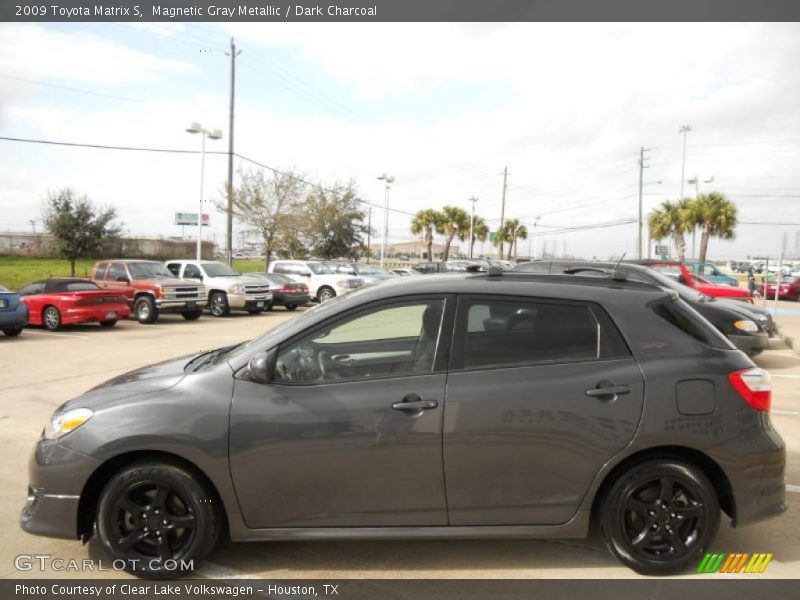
412,402
612,390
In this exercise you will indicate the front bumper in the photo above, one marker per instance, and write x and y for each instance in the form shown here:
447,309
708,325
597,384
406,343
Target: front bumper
752,343
56,477
249,301
164,305
18,317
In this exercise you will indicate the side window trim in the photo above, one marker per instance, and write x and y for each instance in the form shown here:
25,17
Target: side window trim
441,353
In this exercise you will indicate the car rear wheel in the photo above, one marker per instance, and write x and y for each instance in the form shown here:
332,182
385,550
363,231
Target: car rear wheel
145,310
325,294
191,315
256,311
51,318
13,331
660,516
291,307
107,323
218,304
157,518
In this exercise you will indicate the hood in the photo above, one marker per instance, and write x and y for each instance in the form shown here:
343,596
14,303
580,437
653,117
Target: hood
171,282
151,378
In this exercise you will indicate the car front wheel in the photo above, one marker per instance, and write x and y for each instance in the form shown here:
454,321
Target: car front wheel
325,294
145,310
660,516
191,315
158,519
218,304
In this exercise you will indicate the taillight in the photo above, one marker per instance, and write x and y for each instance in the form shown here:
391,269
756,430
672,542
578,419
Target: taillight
754,386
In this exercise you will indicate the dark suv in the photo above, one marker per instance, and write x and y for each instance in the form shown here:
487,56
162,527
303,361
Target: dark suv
450,406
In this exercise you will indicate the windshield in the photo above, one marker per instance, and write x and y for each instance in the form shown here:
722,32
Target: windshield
145,270
319,269
218,269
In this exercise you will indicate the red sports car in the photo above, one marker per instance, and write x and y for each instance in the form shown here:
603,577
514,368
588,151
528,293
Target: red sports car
789,290
61,301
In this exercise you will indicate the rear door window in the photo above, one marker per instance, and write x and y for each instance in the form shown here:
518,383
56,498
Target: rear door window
506,332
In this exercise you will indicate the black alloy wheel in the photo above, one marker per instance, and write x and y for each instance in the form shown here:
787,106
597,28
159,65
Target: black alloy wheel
158,519
660,516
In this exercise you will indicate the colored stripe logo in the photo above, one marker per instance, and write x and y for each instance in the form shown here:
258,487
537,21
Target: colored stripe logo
739,562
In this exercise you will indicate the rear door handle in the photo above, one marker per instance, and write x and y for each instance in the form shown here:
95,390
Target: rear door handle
612,390
414,403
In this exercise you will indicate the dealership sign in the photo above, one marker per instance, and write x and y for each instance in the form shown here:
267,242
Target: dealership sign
191,219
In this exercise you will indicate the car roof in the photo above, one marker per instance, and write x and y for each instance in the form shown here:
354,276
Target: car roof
653,261
129,260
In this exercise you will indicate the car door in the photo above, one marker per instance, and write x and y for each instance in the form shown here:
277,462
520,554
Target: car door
349,432
540,395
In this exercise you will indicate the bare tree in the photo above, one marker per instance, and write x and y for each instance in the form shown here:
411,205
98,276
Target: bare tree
268,204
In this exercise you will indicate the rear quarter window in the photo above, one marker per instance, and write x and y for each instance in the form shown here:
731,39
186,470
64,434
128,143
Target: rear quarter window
683,317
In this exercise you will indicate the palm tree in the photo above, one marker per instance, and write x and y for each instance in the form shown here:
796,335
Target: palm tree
455,224
672,219
480,231
716,216
426,222
514,231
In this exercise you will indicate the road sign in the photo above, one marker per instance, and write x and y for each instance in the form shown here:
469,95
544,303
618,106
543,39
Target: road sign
492,235
191,219
662,250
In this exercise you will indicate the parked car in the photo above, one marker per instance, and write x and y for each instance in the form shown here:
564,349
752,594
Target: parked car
368,273
53,303
711,272
285,291
406,272
323,282
517,406
789,287
13,312
739,266
445,267
738,321
681,274
150,289
227,289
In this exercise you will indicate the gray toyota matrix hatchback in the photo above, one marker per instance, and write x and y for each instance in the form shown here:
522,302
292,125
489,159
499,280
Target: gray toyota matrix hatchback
458,406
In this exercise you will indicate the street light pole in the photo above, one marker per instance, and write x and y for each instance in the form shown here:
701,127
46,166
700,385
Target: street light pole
473,200
387,180
535,223
684,130
213,134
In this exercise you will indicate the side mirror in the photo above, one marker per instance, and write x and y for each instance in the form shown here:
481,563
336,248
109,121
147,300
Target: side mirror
262,366
123,279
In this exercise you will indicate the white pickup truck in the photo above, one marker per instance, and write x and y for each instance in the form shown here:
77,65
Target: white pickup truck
227,289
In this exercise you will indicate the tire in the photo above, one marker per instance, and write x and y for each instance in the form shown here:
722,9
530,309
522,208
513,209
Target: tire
51,318
191,315
660,516
218,304
270,306
325,293
107,324
13,331
145,310
256,311
132,509
291,307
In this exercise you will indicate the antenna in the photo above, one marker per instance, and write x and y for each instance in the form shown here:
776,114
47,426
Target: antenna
619,276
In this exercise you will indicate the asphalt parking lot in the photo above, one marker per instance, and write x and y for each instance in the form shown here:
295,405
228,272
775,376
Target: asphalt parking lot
40,370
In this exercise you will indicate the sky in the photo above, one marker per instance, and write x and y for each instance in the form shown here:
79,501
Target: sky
443,108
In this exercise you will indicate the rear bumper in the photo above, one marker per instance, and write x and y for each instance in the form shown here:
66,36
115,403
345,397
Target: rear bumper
14,318
281,299
751,344
101,312
755,463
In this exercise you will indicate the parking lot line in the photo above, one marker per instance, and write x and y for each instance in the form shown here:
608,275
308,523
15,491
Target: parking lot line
793,488
72,335
784,376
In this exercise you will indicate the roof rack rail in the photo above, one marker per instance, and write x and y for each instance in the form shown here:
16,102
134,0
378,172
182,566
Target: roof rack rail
612,273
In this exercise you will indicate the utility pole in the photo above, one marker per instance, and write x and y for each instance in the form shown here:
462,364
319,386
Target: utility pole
684,130
473,200
369,235
642,167
229,230
502,212
33,225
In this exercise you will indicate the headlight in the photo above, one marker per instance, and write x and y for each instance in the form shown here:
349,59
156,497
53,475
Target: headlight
746,325
65,422
343,283
237,289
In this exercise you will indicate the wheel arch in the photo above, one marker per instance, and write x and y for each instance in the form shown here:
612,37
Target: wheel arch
706,464
90,494
144,293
